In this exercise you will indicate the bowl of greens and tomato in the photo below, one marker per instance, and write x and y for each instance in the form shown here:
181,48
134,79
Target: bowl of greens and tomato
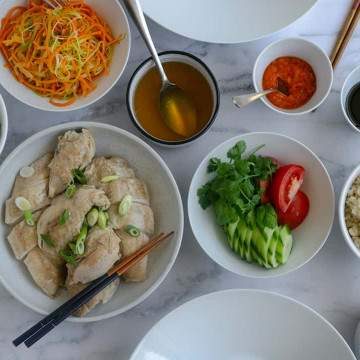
261,204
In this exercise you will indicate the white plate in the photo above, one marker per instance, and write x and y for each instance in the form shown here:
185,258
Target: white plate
243,325
226,21
113,13
165,201
309,237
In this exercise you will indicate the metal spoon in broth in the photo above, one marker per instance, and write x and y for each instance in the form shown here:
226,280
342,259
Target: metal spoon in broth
177,109
246,99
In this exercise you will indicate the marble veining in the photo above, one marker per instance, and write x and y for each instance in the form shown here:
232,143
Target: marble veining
329,283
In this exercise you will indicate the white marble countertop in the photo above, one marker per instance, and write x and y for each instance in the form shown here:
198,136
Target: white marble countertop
329,283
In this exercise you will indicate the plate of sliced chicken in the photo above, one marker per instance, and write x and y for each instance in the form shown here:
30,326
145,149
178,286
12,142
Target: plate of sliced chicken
77,198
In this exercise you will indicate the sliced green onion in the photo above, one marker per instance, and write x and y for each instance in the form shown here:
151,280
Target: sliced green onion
125,205
72,247
132,230
79,247
102,220
22,203
92,217
79,176
68,256
70,191
27,171
47,240
28,217
83,233
109,178
64,217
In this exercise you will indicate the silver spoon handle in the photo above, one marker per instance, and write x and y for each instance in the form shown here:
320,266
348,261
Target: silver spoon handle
243,100
135,11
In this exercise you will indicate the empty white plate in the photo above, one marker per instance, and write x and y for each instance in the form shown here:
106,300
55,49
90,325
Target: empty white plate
243,325
226,21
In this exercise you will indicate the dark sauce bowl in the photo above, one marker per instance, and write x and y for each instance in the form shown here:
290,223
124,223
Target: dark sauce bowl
353,105
179,56
350,88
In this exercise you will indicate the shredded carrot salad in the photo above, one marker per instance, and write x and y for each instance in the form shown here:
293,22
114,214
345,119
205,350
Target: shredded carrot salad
58,53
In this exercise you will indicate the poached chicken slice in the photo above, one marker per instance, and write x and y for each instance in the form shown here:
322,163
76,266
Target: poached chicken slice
34,188
102,250
78,206
74,150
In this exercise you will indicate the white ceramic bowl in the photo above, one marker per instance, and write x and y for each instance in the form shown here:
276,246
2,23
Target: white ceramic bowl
243,325
165,200
302,49
309,237
352,79
341,212
113,13
186,58
3,124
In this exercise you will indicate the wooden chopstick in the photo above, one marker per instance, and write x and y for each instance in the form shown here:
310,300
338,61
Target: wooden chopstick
345,33
118,268
40,329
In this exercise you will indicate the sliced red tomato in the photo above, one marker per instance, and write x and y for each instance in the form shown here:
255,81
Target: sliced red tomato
297,211
285,184
265,187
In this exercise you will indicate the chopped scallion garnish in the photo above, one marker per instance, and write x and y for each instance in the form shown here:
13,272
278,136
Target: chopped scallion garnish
132,230
64,217
92,217
107,179
79,176
28,217
102,220
125,205
47,240
70,191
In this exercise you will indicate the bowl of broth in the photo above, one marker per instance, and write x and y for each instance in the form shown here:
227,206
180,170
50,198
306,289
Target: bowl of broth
350,99
190,74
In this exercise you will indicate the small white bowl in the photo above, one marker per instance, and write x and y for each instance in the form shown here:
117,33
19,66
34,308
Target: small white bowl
186,58
165,201
113,13
342,200
309,237
351,80
304,50
3,124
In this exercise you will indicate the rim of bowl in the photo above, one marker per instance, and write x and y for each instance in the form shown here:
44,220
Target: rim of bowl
4,124
341,210
268,274
157,283
78,107
245,291
283,111
343,95
209,123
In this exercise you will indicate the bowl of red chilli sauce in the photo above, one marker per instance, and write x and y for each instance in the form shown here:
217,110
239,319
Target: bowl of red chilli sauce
304,68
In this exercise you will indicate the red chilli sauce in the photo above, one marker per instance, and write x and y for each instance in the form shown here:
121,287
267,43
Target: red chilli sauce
299,77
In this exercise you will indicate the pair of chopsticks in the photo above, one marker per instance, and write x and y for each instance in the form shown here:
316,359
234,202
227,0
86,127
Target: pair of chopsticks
345,33
50,321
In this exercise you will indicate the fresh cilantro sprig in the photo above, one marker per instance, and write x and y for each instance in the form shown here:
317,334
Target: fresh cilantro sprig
234,191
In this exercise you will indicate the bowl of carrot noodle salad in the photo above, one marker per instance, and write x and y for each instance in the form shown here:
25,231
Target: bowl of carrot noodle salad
64,58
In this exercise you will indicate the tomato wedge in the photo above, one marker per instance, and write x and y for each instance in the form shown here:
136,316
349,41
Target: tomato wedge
285,184
297,211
